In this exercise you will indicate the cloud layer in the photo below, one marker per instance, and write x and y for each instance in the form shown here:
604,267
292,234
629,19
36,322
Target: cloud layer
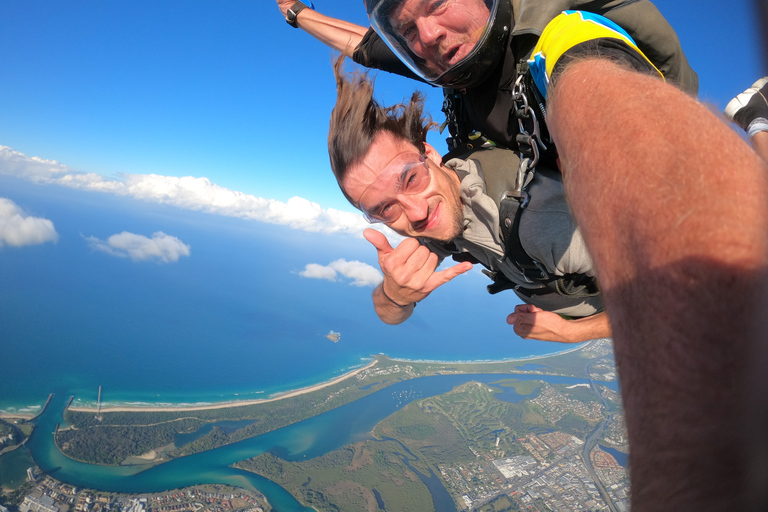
160,247
18,229
360,273
187,192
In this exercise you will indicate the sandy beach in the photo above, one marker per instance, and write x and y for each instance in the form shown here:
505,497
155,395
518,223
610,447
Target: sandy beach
234,403
16,415
579,346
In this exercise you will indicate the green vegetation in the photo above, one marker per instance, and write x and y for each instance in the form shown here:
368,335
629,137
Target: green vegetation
580,393
5,428
468,419
408,426
345,480
113,444
421,431
18,427
216,437
11,500
574,423
500,504
115,436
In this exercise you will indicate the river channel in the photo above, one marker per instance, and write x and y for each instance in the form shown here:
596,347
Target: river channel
303,440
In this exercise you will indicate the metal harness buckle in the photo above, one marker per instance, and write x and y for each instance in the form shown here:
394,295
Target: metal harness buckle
528,143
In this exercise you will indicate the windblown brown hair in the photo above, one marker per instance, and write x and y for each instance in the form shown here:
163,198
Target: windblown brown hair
357,118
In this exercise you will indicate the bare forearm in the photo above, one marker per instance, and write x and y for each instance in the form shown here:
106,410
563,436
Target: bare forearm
388,311
678,229
532,322
589,328
340,35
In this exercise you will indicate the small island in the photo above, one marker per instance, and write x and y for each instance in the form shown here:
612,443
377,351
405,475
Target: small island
333,336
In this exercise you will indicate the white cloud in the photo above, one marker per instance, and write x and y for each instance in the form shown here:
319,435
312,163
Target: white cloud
18,229
315,271
360,273
187,192
160,247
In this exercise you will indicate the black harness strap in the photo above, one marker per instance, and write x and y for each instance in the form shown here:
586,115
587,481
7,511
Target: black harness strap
510,192
510,213
463,150
507,184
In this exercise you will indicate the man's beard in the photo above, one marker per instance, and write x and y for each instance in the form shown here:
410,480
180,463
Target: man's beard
457,224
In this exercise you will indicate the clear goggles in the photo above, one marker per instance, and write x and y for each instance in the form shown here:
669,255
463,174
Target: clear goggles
406,175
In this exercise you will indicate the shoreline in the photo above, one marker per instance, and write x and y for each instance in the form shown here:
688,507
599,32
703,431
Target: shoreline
499,361
234,403
291,393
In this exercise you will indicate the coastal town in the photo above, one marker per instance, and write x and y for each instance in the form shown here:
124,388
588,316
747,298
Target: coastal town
556,471
554,478
49,495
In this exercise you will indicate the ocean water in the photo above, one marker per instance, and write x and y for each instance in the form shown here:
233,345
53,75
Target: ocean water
233,321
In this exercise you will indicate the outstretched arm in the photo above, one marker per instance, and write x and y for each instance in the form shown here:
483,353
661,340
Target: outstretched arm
678,230
340,35
410,275
532,322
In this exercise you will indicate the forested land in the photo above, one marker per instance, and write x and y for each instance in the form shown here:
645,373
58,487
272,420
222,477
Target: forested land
20,429
106,444
350,479
5,428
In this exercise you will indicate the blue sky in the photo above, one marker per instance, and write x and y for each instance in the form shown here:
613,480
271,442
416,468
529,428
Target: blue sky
229,92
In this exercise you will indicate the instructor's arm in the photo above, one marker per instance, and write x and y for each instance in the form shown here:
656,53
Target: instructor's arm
531,322
681,250
340,35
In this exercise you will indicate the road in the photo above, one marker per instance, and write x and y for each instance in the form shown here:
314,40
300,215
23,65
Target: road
591,441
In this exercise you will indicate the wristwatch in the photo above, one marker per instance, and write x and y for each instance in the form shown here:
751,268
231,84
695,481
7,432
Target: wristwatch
294,10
